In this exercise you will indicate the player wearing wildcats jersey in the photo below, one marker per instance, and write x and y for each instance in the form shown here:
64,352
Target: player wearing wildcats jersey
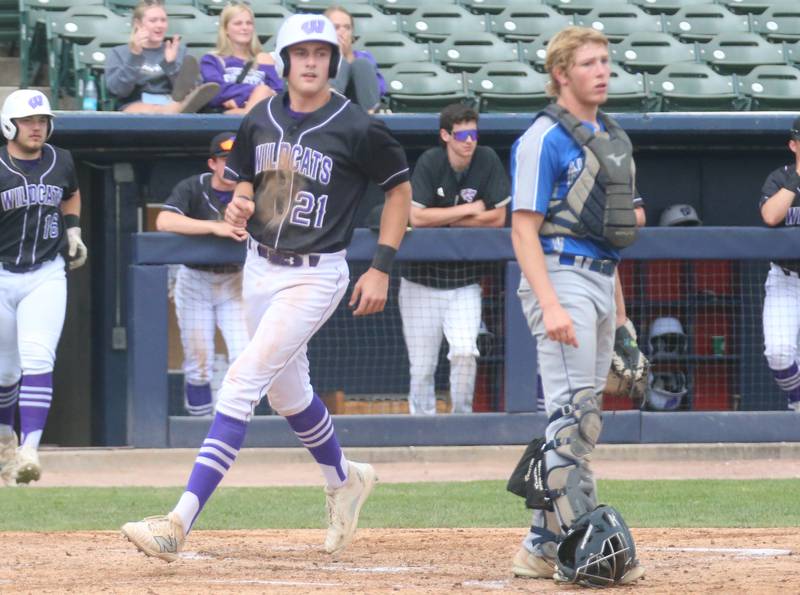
780,207
302,160
206,296
39,209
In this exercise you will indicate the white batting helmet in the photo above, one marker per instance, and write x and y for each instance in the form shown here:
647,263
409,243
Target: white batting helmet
21,104
300,28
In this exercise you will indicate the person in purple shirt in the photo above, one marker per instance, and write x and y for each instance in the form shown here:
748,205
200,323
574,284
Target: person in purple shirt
358,77
245,73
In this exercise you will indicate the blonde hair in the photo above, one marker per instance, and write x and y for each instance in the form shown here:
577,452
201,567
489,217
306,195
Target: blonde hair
224,45
561,51
138,14
338,8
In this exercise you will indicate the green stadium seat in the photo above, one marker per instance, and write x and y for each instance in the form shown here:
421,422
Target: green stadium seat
508,87
526,24
33,47
469,51
666,6
422,87
78,25
701,23
496,6
627,92
687,86
367,18
408,6
780,22
90,61
792,53
650,52
199,44
319,5
617,21
748,6
534,52
187,20
576,6
436,23
268,20
772,87
216,6
389,49
739,53
125,7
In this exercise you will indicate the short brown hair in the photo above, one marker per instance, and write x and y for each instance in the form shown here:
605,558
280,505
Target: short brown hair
561,51
456,113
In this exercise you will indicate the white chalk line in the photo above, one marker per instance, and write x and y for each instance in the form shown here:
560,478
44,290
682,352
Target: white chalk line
273,583
742,552
379,569
486,584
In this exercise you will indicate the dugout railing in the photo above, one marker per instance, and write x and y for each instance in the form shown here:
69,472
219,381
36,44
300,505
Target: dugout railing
710,278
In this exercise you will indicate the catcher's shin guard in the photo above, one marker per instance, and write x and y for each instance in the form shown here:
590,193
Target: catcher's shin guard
575,429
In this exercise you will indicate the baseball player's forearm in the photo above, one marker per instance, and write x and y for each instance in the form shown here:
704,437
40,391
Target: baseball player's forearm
394,218
72,206
495,217
774,210
177,223
530,256
440,217
244,189
641,218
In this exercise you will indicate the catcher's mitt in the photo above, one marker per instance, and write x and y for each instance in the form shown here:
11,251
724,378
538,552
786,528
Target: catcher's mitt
629,367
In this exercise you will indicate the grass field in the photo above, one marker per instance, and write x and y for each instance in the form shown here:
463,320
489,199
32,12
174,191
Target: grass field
690,503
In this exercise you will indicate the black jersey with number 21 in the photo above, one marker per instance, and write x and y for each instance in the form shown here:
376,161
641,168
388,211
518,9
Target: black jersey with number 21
309,174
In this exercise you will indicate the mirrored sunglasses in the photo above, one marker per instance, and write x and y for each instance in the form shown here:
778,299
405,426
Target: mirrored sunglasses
462,135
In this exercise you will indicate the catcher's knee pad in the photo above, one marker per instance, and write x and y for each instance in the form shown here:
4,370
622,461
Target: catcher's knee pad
576,429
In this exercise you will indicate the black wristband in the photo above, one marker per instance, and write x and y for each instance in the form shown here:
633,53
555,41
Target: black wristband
72,221
384,256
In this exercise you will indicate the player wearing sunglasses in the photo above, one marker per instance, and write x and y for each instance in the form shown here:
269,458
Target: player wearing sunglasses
458,184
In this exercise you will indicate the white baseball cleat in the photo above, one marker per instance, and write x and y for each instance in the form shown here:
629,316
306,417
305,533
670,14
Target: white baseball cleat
530,565
8,456
157,536
28,467
345,503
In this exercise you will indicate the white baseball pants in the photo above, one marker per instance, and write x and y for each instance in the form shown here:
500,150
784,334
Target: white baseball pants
284,307
427,314
205,300
32,309
781,318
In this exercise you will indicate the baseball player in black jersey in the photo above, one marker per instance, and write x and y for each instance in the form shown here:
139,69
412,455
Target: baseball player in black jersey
302,160
40,206
206,296
458,184
780,207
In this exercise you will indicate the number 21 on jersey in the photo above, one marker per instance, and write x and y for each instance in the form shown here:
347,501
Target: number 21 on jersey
306,206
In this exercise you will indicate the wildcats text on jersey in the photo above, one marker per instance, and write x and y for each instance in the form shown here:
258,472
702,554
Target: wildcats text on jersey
31,195
304,160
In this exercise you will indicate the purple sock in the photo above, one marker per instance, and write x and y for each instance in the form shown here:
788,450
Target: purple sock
789,381
35,395
8,402
198,399
314,427
216,456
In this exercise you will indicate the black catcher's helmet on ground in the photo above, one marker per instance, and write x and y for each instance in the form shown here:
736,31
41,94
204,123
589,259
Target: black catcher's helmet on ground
597,550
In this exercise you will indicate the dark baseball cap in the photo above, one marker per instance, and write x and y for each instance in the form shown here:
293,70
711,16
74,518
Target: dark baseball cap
795,131
222,144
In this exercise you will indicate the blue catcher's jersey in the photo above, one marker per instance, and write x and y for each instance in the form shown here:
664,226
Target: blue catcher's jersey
545,162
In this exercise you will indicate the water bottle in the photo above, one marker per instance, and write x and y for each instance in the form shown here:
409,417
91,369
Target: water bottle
90,96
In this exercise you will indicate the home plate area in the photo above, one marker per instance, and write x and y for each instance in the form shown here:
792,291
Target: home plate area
382,561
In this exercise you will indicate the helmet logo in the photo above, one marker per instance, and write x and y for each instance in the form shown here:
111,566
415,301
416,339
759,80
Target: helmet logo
36,101
313,26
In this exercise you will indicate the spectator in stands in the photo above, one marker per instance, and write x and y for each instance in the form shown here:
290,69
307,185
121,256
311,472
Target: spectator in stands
245,73
358,78
780,207
152,74
457,184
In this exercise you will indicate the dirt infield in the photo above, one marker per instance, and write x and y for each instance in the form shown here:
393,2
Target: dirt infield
382,561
